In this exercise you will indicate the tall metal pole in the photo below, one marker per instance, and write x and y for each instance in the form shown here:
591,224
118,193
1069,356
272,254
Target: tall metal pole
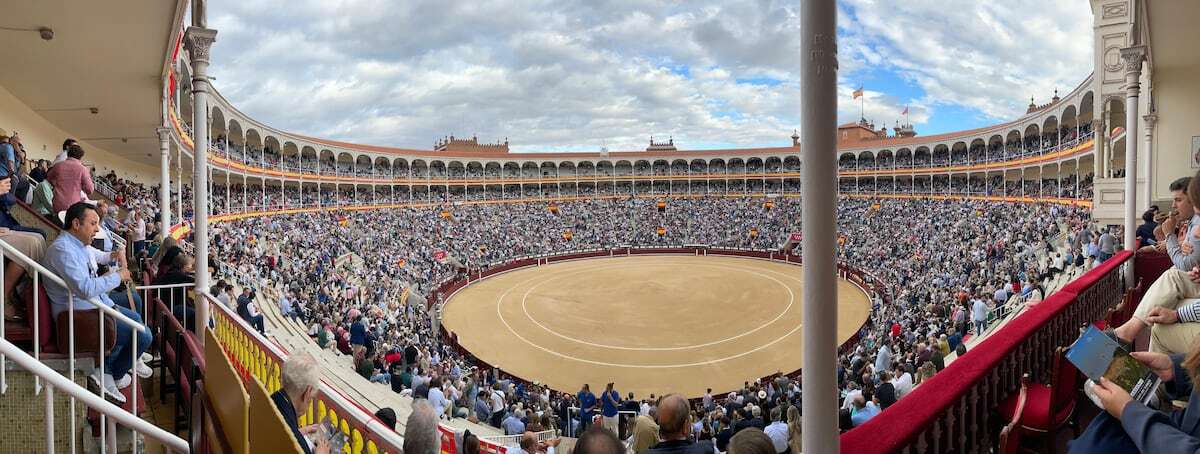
1133,57
200,40
164,192
818,120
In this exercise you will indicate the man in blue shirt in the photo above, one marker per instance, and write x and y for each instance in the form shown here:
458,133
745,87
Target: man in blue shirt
863,411
587,403
69,258
608,407
512,425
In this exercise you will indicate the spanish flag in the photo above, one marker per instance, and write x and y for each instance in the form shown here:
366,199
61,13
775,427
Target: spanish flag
400,263
343,221
553,208
662,206
445,214
768,205
753,232
876,206
858,93
567,235
661,231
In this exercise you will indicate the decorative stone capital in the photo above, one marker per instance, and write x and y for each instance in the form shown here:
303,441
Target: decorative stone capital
1150,119
1133,57
163,133
199,41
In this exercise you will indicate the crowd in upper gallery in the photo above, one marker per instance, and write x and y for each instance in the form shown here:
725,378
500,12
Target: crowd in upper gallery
902,158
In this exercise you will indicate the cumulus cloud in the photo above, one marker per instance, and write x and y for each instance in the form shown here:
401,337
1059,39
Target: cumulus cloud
578,75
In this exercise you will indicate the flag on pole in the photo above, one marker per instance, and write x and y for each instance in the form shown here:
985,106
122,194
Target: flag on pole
905,111
858,93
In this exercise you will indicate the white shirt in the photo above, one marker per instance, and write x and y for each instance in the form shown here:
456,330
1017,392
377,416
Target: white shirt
848,402
497,401
438,400
644,410
778,433
903,385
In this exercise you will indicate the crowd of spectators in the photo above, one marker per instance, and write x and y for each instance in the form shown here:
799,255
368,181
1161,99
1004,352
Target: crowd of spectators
357,280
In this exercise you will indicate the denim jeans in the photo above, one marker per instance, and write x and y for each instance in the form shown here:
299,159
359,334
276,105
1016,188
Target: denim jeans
120,360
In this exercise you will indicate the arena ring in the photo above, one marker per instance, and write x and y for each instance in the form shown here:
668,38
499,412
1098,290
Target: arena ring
651,320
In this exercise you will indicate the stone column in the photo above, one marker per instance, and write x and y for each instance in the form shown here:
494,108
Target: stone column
1098,149
164,192
818,120
199,42
1148,122
1133,57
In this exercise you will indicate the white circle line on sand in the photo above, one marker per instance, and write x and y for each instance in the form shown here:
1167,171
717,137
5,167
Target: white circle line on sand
786,309
632,366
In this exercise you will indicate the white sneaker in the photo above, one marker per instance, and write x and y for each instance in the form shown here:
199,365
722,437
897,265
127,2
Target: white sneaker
124,382
142,370
146,357
108,387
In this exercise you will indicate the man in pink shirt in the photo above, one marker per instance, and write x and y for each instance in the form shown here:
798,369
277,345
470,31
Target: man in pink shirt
69,178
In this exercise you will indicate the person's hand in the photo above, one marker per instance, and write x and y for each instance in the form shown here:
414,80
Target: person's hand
1160,363
322,446
124,273
1113,397
553,443
310,429
1162,315
1168,224
5,184
1186,248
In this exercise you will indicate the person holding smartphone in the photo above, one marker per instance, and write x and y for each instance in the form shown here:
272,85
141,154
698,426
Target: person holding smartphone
301,377
1130,426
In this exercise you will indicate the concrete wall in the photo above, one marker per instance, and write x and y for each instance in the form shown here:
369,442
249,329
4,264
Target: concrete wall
1178,102
43,140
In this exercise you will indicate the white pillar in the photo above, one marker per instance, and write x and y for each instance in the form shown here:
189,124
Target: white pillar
1148,122
164,193
1133,57
199,42
1098,136
818,120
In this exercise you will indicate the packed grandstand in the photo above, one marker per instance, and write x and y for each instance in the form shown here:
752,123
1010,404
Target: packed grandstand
319,318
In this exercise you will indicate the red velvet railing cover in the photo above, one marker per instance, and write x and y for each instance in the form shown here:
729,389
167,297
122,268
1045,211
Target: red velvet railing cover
897,426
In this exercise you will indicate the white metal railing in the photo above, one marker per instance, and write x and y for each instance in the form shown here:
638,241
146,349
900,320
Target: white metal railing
39,274
515,440
105,189
56,380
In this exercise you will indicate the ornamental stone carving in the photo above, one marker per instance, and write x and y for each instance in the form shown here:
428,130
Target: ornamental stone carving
1114,10
1133,57
199,42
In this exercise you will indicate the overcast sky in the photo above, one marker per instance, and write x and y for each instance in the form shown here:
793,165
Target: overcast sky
566,75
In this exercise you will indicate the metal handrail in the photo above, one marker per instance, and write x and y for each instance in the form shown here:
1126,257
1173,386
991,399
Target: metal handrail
13,254
56,380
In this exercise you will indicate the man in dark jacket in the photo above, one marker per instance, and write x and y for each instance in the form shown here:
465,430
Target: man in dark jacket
675,429
300,377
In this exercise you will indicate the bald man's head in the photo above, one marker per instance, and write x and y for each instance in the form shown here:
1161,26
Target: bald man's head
673,417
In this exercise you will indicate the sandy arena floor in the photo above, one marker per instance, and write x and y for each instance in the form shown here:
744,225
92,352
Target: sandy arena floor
651,324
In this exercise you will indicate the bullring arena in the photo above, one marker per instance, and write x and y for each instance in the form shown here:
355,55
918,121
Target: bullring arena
596,320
